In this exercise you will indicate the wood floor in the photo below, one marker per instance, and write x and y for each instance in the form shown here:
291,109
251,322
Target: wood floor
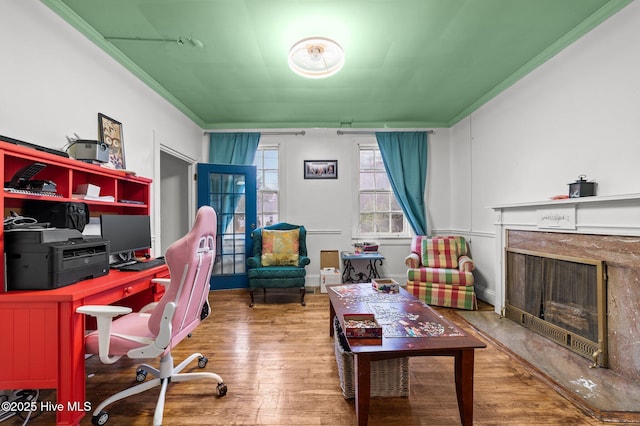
278,362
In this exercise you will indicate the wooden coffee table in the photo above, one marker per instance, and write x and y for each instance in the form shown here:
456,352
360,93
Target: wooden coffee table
410,328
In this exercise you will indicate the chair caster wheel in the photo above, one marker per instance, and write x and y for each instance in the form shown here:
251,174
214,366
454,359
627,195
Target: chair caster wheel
222,389
101,419
141,375
202,361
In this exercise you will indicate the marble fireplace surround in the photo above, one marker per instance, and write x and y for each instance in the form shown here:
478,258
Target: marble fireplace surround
606,228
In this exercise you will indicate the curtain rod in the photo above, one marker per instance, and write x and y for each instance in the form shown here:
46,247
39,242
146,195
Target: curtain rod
300,133
369,132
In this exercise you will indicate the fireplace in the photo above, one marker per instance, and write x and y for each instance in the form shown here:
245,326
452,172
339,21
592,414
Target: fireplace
603,228
560,297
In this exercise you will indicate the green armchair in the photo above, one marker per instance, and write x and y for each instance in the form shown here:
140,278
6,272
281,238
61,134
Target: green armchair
279,258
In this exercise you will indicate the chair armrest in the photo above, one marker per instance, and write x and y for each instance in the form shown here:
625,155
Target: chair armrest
465,264
162,281
303,261
104,314
107,311
254,262
412,261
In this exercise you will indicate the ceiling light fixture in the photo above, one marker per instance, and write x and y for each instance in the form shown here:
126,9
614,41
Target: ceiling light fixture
316,57
180,40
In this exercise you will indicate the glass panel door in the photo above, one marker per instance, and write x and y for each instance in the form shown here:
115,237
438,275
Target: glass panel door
231,191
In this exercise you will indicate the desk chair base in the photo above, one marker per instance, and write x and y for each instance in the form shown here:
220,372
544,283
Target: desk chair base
303,291
165,375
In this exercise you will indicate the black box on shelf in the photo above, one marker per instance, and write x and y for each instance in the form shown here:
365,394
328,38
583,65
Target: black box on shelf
582,188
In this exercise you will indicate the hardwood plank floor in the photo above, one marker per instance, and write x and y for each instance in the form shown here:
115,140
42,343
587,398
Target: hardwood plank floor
278,361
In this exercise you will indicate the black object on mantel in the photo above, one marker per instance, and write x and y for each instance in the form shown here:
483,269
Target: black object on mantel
582,188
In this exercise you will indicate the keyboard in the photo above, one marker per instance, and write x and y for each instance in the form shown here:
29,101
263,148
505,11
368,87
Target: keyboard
30,192
143,266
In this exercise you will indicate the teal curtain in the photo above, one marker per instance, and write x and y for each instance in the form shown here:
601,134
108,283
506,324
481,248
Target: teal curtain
405,160
231,148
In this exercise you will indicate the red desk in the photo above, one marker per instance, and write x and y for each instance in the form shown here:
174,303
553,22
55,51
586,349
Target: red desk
43,337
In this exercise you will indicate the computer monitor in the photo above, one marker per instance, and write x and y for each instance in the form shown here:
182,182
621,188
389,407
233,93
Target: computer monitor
126,233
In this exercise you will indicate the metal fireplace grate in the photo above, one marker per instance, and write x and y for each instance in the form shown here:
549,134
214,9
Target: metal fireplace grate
578,344
560,297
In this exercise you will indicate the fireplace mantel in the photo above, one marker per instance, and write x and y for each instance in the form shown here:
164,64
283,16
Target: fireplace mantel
605,228
570,201
610,215
602,227
604,215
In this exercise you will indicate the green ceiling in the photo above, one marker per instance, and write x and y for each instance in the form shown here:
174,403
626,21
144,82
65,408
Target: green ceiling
409,63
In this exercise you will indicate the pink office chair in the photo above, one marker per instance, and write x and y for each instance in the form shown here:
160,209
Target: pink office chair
153,331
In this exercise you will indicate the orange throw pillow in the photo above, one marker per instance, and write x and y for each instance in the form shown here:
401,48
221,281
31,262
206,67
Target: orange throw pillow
280,248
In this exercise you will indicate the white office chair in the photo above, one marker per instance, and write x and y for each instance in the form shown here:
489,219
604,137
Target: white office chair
154,331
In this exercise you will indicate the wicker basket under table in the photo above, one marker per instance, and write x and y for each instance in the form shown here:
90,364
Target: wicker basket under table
389,377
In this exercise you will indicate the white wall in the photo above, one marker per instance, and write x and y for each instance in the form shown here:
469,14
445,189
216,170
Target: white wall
579,113
327,207
54,82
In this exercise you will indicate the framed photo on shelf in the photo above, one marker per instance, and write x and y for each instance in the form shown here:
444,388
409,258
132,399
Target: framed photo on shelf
110,132
321,169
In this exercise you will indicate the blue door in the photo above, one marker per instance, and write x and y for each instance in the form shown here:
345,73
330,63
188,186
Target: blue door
231,191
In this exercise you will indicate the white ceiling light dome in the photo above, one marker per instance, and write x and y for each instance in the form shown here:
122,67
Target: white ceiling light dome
316,57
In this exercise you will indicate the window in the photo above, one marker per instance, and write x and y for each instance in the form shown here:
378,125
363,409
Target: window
268,196
380,212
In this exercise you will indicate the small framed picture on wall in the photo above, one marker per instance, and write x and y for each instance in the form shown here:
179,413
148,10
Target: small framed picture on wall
321,169
110,132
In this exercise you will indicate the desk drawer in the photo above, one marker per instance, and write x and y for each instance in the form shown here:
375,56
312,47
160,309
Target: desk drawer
115,294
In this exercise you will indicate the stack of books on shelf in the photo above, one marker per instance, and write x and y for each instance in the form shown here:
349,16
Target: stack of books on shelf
87,191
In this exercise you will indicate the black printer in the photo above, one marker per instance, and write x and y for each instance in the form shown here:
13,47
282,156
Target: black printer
43,259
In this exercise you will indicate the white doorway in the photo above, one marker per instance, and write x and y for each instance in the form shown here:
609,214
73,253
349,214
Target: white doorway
176,195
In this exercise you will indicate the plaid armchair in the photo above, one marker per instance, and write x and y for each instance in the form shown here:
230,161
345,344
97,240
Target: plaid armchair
440,272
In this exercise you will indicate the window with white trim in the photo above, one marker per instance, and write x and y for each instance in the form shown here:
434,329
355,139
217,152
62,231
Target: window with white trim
379,212
267,166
